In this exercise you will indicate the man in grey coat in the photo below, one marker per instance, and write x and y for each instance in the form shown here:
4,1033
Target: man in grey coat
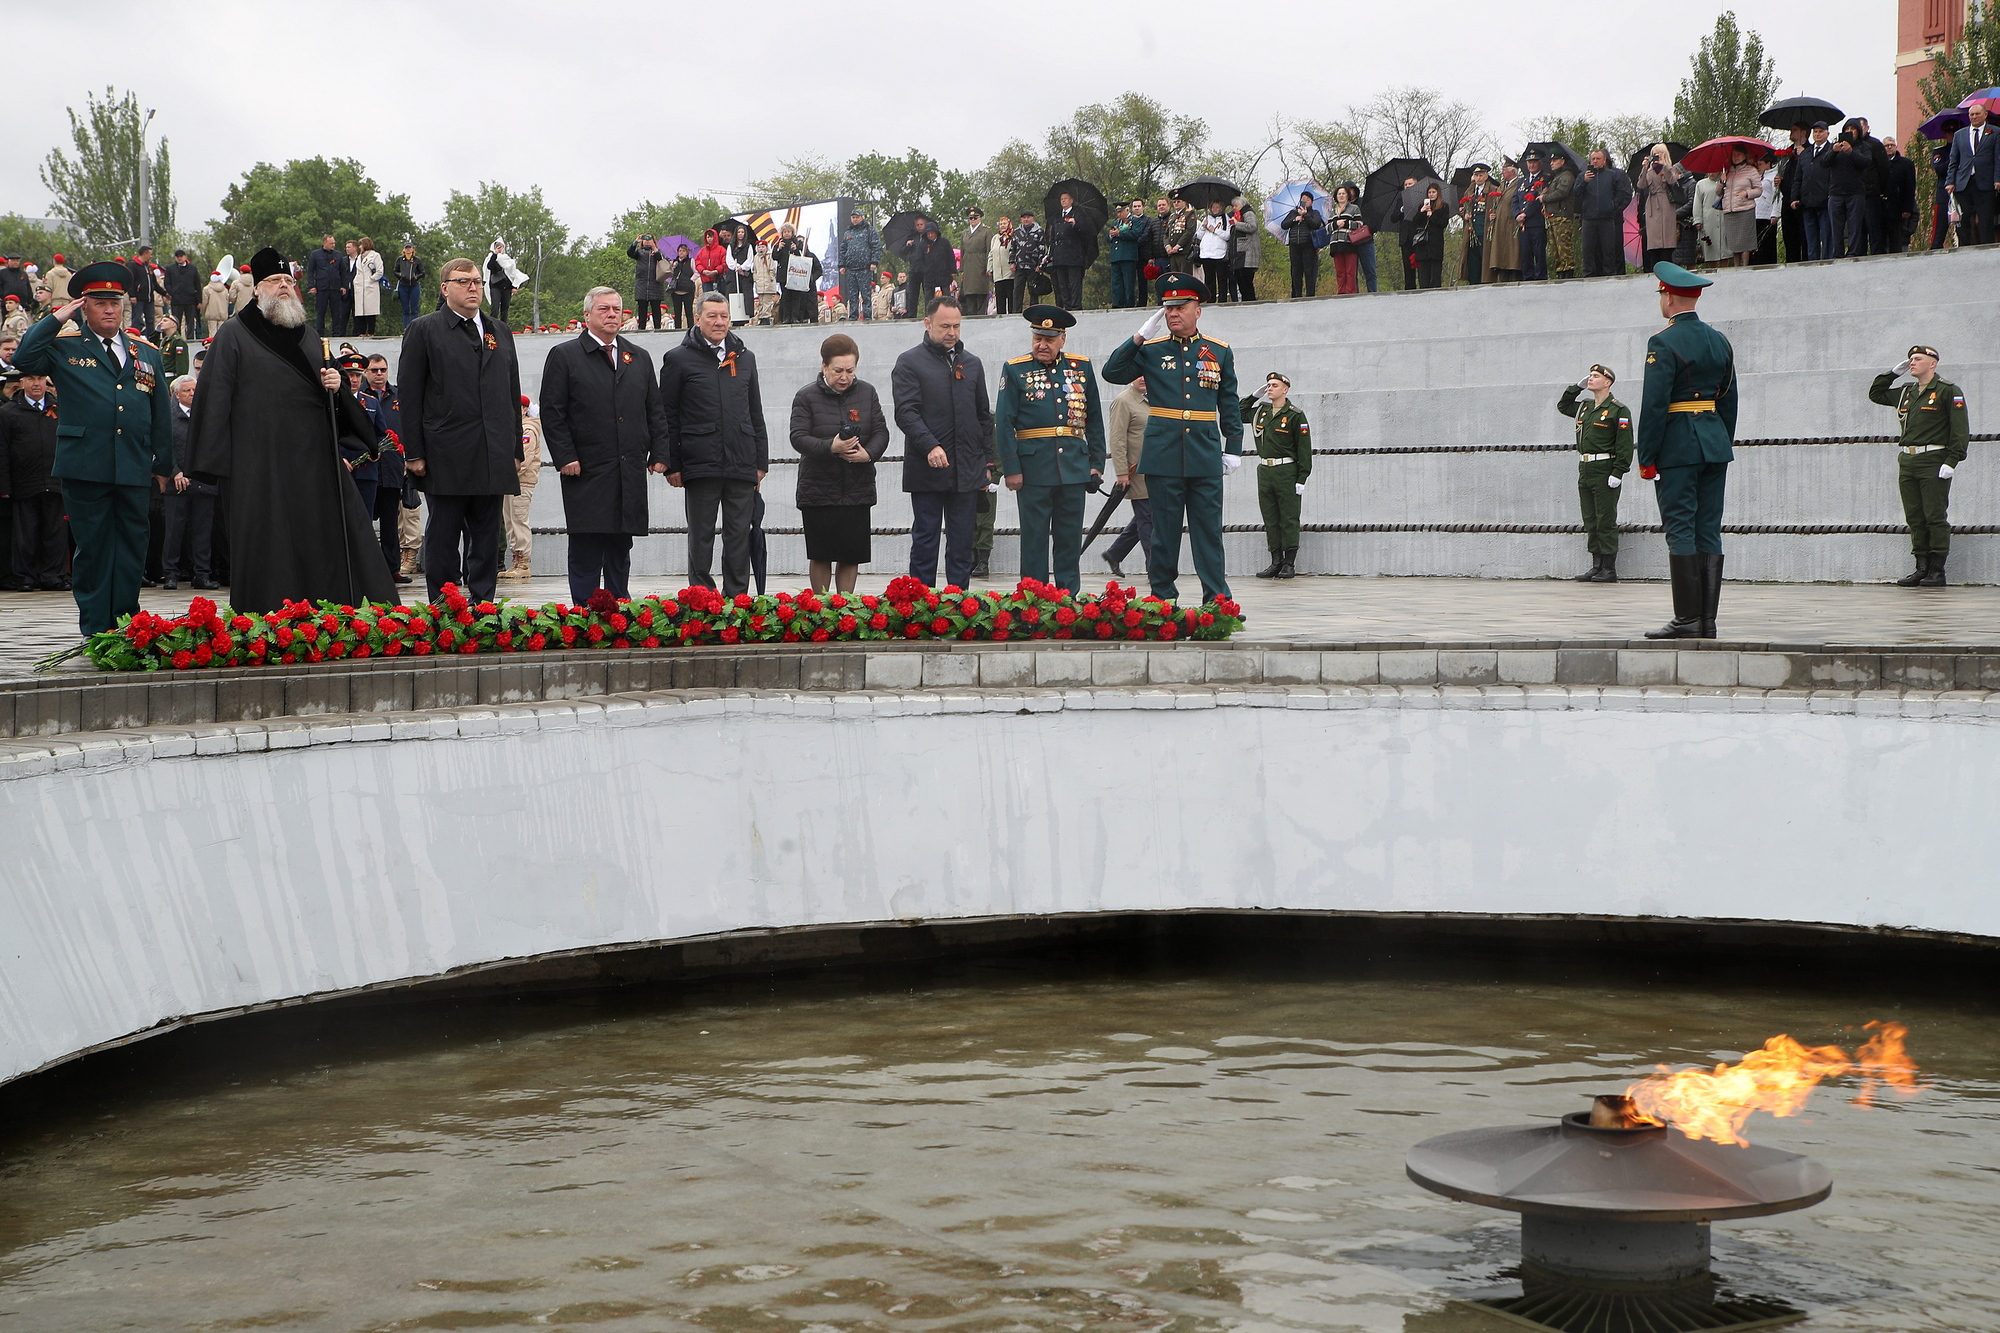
939,389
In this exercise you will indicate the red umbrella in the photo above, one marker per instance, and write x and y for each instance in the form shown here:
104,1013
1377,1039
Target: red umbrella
1714,155
1635,235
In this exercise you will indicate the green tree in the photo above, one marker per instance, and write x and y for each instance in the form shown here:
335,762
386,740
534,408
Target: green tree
799,180
290,207
97,190
29,239
560,274
895,184
1731,84
1972,63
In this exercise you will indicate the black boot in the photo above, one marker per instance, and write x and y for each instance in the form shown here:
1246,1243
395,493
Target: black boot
979,560
1685,571
1711,590
169,583
1916,577
1285,565
1590,575
1935,578
1270,571
1608,574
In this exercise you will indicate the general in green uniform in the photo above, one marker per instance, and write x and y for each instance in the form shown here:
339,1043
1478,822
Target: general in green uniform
1048,442
1604,446
114,434
1929,448
1687,425
1194,432
1284,461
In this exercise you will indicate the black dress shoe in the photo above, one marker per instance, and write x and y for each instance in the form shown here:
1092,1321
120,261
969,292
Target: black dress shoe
168,584
206,585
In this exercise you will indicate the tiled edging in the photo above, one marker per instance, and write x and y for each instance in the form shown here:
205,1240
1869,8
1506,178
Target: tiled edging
35,758
69,705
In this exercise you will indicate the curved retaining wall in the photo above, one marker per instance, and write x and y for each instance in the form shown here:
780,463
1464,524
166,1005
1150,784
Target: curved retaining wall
1476,372
151,879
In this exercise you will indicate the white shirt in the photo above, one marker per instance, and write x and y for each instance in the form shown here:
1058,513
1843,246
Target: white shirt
1214,236
1767,202
117,341
720,349
478,326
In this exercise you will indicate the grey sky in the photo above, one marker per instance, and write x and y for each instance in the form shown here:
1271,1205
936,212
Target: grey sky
603,105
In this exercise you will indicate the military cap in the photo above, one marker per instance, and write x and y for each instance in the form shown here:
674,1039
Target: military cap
1921,350
352,360
1532,155
1048,318
1673,278
1180,288
1280,376
1605,371
104,278
1481,166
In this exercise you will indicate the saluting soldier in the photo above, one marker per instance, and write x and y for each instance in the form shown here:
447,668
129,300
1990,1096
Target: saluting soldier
1194,432
1604,449
1048,439
1929,446
115,439
1687,425
1284,460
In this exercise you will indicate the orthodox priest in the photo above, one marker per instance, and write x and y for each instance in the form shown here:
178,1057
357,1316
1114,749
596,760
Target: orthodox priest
270,416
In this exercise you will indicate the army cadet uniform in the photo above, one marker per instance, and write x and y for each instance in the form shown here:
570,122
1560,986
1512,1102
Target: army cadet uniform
173,355
1194,438
1929,447
114,434
1048,431
1687,424
1284,461
1604,448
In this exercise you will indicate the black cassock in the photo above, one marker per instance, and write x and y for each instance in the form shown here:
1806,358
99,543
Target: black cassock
261,425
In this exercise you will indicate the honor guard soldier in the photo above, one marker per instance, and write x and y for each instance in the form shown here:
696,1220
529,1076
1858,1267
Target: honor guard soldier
1604,448
1048,440
1194,432
1929,447
1284,460
114,437
1687,424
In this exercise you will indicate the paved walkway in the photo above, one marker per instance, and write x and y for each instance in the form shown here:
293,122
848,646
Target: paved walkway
1360,610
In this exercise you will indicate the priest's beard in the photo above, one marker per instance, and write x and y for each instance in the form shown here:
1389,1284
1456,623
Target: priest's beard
287,312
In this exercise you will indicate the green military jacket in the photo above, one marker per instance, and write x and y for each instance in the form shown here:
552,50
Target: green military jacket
1931,414
113,424
1281,433
1191,404
1688,362
174,357
1601,428
1047,425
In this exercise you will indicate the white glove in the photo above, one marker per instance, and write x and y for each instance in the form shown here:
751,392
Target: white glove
1902,367
1613,482
994,488
1945,470
1155,324
1583,383
1298,488
1262,395
1230,462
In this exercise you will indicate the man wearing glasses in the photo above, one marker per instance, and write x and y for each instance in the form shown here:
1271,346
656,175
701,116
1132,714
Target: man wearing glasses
461,409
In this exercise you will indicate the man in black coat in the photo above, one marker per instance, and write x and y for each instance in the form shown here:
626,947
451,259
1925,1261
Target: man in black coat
326,283
939,390
1067,257
183,287
143,288
190,504
461,409
27,454
604,426
717,450
1899,193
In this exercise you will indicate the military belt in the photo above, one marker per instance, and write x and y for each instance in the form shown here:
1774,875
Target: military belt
1275,462
1045,432
1593,458
1180,414
1692,405
1920,448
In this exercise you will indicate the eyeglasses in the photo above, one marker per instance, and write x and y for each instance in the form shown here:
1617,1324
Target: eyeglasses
461,282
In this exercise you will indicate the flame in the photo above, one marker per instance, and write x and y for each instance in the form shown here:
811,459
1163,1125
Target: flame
1715,1103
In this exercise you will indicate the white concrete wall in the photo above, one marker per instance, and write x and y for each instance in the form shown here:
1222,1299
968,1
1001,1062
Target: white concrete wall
139,892
1484,366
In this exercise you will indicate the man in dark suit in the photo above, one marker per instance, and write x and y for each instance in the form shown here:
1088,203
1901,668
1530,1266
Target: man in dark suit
27,455
604,425
461,410
190,503
325,283
716,445
1970,176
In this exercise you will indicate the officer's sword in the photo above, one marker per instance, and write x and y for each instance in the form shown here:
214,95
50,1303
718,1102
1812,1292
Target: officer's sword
1104,514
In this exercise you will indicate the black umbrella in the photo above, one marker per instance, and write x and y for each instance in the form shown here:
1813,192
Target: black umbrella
1104,514
897,230
1550,149
1203,189
1384,183
1637,163
1087,202
1799,111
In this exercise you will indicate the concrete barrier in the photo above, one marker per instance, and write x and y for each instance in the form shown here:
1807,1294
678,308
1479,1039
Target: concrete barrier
1444,387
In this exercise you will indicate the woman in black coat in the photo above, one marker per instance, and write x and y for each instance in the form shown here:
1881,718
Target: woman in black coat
683,288
647,289
938,267
1426,237
839,430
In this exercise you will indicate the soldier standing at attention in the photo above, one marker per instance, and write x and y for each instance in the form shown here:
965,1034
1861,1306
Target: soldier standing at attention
1687,424
115,442
1604,446
1284,460
1930,446
1048,438
1194,432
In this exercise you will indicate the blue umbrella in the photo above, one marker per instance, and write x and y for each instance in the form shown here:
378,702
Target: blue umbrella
1286,197
1945,123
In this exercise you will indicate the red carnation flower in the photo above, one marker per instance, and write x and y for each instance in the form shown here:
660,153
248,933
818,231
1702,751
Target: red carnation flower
537,642
940,625
820,636
601,602
183,660
1136,632
389,649
595,633
1103,630
618,621
1134,617
651,641
911,631
847,624
744,600
730,634
878,621
1065,615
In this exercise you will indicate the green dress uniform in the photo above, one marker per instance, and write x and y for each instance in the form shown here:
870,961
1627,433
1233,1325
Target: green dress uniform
1194,419
1934,433
1284,460
174,357
1687,426
1048,428
1604,451
114,434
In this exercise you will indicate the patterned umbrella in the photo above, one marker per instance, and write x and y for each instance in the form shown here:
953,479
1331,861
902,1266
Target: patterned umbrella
1286,197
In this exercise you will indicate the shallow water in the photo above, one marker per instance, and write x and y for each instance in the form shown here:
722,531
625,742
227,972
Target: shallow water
998,1148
